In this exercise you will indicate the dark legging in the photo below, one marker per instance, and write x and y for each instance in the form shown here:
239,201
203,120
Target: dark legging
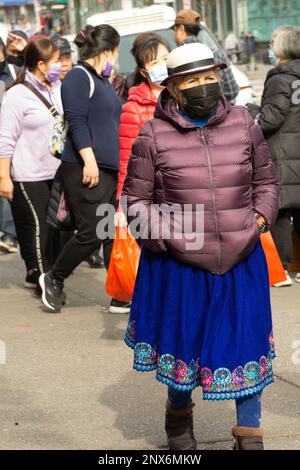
287,220
38,241
84,203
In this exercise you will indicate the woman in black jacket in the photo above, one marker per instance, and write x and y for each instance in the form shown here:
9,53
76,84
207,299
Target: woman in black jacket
90,159
280,123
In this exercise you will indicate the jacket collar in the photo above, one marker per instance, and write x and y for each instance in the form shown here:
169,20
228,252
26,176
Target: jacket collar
40,85
90,68
142,94
167,110
189,40
291,67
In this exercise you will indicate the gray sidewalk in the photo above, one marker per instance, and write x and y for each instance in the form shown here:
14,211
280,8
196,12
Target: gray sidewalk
68,381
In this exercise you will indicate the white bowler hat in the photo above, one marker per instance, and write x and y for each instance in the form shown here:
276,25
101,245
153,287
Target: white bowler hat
190,58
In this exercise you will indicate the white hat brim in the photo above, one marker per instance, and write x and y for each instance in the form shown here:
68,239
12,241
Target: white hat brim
221,66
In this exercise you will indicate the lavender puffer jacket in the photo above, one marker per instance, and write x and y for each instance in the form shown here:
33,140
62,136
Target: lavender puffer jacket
225,165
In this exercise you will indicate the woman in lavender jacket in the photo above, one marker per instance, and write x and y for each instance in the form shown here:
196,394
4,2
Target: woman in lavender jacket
27,168
200,314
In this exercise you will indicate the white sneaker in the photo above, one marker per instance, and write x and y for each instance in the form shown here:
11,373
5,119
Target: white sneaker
288,282
8,244
297,278
117,306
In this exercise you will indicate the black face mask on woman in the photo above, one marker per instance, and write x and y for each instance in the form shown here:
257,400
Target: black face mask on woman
201,100
2,66
18,61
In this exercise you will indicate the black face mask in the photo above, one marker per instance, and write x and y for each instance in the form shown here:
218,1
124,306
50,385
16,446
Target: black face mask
201,100
18,61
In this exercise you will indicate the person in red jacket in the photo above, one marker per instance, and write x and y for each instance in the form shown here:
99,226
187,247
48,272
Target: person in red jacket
150,52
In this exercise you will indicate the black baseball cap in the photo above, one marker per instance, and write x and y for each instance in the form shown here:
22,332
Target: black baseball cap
63,45
19,33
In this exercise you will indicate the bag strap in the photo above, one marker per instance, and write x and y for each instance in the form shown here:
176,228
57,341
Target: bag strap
50,106
12,71
92,83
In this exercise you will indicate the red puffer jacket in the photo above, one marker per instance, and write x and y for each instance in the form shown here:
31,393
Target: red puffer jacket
138,110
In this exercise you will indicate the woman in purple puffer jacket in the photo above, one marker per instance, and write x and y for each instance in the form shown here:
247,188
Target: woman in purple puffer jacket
204,187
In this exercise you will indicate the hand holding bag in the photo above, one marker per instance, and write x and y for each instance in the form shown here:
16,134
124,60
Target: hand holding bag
123,265
276,270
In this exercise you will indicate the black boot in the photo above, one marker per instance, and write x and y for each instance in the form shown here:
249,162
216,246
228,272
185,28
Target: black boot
247,438
179,427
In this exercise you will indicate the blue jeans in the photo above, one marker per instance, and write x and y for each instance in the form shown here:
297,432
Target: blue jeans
248,409
7,225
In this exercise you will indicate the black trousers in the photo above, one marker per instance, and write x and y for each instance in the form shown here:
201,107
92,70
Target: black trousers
287,221
84,203
38,241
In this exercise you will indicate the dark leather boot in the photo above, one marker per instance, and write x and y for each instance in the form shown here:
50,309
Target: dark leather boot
247,438
179,427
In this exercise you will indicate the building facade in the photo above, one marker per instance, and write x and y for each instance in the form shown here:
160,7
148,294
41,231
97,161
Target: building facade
221,16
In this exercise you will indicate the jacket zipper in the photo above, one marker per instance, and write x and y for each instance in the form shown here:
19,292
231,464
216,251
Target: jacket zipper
213,200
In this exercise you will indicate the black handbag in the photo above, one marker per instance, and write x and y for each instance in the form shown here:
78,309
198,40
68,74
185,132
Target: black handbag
59,215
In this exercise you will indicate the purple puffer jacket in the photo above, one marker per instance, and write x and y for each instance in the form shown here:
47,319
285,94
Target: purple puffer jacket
225,165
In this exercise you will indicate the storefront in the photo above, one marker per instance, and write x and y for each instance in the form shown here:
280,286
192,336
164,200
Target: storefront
55,12
262,17
18,14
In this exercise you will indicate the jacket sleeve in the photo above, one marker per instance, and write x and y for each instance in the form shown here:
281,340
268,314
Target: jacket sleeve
275,104
11,119
265,185
137,199
130,125
75,93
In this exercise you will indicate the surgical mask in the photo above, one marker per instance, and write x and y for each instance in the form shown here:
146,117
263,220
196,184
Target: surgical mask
201,100
272,57
54,72
158,73
108,68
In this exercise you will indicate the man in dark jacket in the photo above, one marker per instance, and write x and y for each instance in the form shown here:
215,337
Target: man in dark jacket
8,71
280,123
8,239
251,52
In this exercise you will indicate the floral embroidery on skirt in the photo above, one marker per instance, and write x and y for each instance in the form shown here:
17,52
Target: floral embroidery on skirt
227,364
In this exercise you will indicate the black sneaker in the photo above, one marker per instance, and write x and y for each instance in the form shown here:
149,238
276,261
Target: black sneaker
32,279
52,292
38,292
95,262
118,306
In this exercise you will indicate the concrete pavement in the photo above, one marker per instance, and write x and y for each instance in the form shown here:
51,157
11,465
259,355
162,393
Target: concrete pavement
68,381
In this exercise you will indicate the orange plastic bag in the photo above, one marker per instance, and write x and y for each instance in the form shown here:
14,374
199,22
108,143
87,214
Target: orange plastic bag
123,265
276,270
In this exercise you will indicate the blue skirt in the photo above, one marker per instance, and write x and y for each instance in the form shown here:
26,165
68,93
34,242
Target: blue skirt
196,328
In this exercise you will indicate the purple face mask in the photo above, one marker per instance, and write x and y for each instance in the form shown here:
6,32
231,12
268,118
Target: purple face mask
54,72
107,69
